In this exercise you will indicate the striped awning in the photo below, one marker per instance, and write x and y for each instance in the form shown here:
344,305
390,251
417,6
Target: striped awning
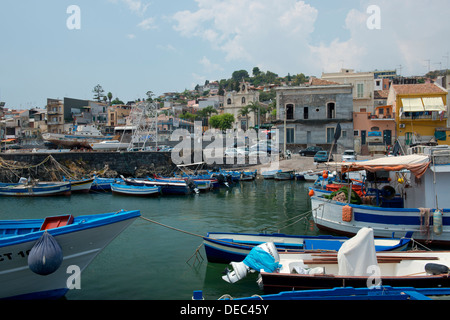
434,104
412,105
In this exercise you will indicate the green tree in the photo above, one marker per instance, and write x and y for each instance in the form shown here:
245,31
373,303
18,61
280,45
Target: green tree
149,96
98,92
109,97
255,107
239,75
223,122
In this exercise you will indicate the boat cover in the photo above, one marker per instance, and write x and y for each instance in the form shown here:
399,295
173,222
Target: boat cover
259,259
417,164
358,254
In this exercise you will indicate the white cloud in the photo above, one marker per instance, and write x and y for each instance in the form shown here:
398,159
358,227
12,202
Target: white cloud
277,35
209,66
147,24
254,31
131,36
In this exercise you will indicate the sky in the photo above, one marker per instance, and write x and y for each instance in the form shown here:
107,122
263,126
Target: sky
51,49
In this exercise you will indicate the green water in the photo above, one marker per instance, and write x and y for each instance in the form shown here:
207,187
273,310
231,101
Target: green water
148,261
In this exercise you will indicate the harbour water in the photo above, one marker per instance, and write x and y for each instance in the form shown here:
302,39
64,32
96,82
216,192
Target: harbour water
149,261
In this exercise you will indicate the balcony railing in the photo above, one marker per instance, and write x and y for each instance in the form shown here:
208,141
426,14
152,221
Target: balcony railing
435,116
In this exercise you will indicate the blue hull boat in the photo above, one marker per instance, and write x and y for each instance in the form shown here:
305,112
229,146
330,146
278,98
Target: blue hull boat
80,240
40,189
167,187
228,247
142,191
347,293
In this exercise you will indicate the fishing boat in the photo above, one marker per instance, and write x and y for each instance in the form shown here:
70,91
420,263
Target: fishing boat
200,184
104,184
226,247
143,191
248,175
284,175
167,187
269,174
80,239
380,293
79,136
35,189
80,186
356,264
414,197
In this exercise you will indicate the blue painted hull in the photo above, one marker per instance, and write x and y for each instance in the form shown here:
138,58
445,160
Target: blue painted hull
228,247
41,189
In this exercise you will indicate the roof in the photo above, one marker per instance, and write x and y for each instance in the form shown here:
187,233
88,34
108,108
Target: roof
411,89
417,164
321,82
381,94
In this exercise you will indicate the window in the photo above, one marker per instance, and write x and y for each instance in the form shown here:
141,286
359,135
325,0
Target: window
331,112
290,112
229,101
330,135
356,133
243,100
290,135
360,90
305,113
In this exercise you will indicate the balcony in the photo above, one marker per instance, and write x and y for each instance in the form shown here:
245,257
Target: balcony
428,115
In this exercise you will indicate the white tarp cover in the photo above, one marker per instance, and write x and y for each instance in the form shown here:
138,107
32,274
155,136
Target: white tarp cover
357,254
417,164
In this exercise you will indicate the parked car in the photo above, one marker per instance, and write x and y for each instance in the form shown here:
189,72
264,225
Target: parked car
322,156
349,155
310,151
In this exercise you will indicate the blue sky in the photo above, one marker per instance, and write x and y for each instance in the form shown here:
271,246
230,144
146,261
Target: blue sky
132,46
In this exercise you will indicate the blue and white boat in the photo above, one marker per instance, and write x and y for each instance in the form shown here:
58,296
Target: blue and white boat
380,293
226,247
40,189
418,203
103,184
142,191
284,175
80,239
167,187
269,174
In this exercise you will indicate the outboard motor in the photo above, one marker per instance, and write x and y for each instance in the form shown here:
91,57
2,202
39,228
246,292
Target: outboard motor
261,258
191,184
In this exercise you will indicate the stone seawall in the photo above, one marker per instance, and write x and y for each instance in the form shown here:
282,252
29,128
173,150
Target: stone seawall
40,166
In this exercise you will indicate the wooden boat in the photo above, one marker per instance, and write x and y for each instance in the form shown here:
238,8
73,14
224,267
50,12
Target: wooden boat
109,145
80,186
380,293
284,175
39,189
81,136
143,191
200,184
167,187
248,175
358,265
226,247
104,184
270,174
80,239
419,201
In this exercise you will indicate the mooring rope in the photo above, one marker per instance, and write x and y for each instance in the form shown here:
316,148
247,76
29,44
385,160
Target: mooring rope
173,228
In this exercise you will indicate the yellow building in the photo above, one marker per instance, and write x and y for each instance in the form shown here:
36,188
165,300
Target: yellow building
420,113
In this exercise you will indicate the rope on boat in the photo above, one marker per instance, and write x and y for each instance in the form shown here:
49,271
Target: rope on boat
173,228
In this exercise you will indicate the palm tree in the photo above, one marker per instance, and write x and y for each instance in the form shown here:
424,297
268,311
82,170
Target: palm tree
207,112
255,107
243,112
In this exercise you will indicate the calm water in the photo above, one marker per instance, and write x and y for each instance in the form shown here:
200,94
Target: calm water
149,261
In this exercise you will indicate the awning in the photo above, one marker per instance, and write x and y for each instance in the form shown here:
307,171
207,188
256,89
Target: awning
412,105
417,164
434,104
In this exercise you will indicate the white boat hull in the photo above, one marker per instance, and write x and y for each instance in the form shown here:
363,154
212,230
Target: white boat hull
79,248
385,222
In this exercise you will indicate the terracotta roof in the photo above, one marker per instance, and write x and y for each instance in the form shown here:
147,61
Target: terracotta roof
381,94
321,82
426,88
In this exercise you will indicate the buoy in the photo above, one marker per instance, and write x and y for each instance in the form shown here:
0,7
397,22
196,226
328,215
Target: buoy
325,175
437,222
347,213
400,180
436,269
46,256
311,192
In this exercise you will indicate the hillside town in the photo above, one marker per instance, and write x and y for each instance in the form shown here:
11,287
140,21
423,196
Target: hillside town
373,109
